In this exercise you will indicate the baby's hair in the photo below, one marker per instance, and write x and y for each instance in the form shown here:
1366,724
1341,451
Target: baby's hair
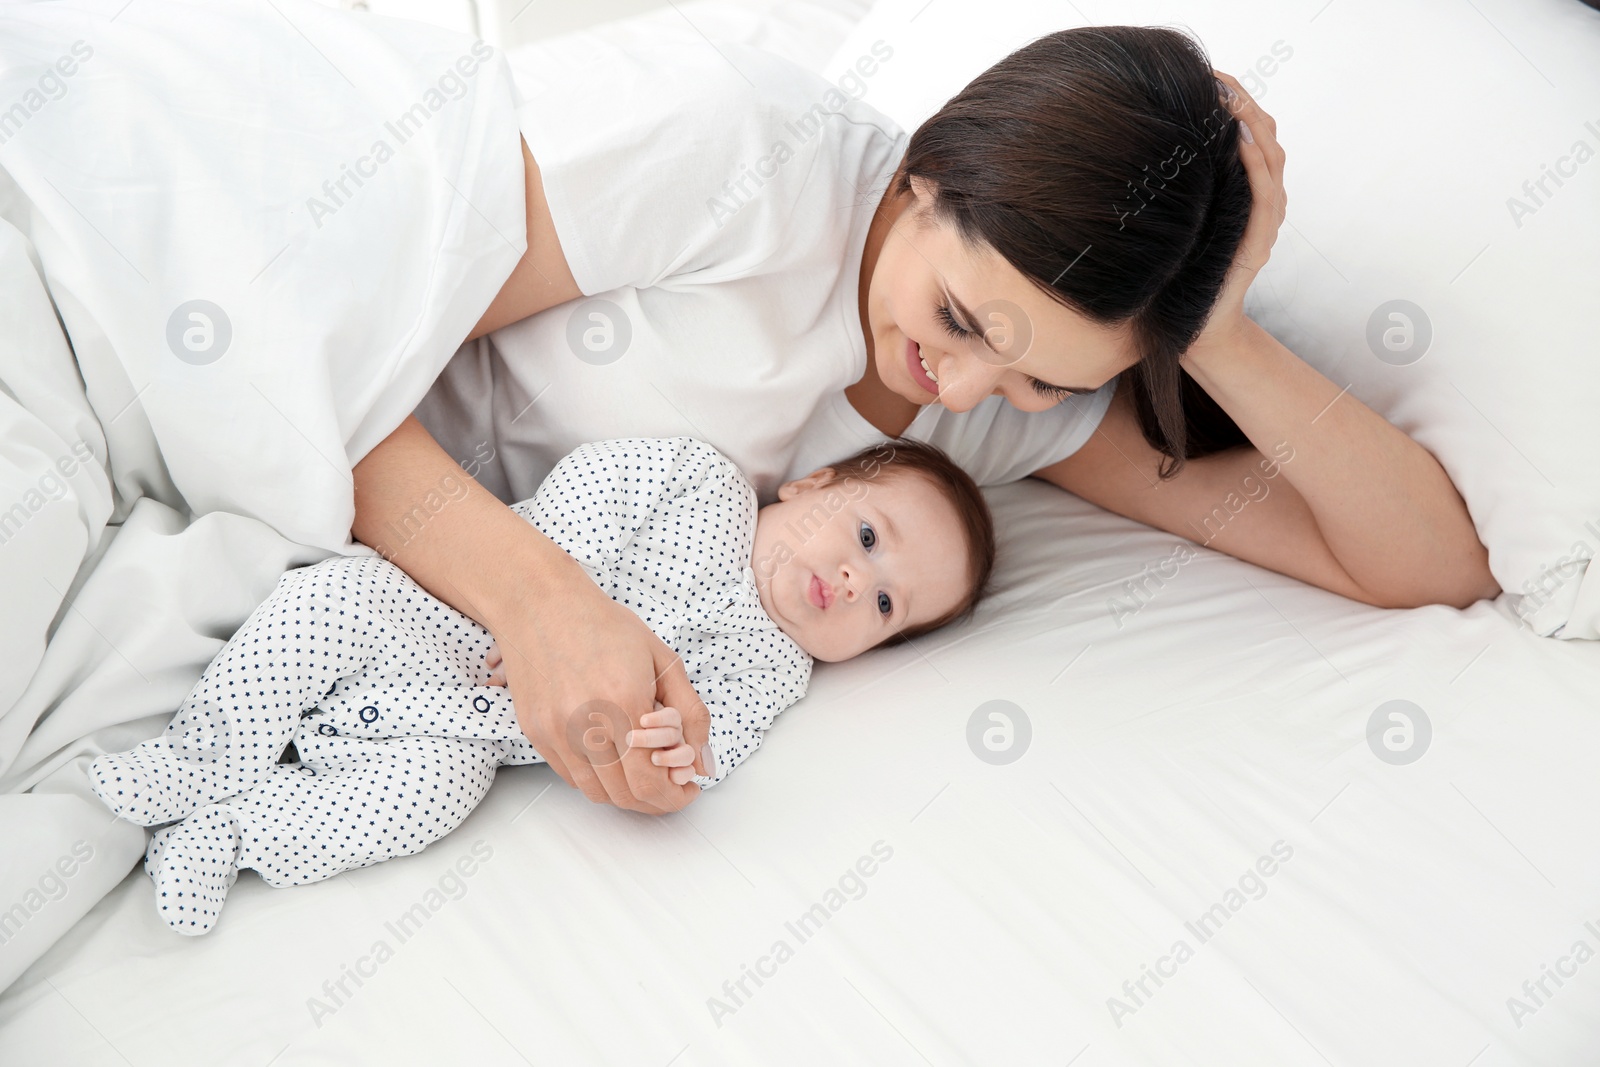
905,456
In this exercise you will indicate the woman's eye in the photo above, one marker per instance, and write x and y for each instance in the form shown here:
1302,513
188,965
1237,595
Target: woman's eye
885,606
869,537
952,327
1054,392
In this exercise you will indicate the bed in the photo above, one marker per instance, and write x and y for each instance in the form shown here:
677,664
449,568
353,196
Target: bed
1150,805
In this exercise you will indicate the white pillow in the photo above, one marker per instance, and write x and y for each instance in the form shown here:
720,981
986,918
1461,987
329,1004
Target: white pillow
1417,135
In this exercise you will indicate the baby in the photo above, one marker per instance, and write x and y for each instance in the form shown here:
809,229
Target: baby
395,719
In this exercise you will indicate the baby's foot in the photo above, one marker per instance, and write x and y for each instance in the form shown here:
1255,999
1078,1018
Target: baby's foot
145,786
164,779
193,864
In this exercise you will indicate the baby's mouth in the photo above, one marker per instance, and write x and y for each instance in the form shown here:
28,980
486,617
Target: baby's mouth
819,593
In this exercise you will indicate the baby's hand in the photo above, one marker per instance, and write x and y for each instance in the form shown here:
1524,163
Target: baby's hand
663,731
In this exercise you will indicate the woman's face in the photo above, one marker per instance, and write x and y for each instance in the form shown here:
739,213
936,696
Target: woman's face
1010,340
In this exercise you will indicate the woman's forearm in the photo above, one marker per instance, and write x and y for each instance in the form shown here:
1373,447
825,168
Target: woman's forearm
417,508
1386,508
567,648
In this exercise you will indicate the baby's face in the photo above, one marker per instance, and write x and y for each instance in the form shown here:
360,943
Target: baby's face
841,566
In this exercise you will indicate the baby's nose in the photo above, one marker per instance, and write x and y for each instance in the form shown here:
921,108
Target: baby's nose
847,583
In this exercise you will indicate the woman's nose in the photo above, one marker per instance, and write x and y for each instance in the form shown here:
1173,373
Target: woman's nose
964,381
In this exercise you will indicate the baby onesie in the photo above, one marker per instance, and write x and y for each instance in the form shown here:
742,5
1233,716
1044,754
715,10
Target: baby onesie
381,686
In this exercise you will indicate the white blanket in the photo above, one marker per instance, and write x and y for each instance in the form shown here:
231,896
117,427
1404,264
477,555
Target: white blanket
265,227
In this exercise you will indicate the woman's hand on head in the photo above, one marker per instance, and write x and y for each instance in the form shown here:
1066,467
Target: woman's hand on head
1263,161
583,671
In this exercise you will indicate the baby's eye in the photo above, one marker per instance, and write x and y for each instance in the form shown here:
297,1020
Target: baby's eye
885,606
869,537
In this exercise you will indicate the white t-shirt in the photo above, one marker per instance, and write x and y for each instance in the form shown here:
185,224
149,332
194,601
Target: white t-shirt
713,206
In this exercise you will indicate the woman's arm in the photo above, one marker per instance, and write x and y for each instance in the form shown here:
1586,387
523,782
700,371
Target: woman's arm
1350,504
1355,506
581,668
1384,507
542,278
574,659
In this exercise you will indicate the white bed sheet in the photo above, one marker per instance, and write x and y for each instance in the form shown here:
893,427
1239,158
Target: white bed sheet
1168,755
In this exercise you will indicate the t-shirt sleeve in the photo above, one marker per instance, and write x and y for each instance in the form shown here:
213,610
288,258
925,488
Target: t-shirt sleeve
693,164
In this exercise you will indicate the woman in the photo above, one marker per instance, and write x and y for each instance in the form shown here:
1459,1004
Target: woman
1084,212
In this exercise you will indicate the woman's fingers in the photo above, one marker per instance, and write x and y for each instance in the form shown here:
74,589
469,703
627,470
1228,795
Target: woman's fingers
1264,132
1244,106
658,789
493,656
1263,160
1262,229
622,786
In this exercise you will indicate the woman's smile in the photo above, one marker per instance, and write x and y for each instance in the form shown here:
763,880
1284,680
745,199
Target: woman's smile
919,369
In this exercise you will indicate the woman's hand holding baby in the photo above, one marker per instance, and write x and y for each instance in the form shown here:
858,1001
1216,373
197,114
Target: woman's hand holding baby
568,647
582,669
661,733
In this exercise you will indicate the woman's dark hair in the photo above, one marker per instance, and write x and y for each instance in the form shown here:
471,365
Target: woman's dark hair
903,457
1102,164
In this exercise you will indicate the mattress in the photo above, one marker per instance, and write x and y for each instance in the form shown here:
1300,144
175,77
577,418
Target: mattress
1135,811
